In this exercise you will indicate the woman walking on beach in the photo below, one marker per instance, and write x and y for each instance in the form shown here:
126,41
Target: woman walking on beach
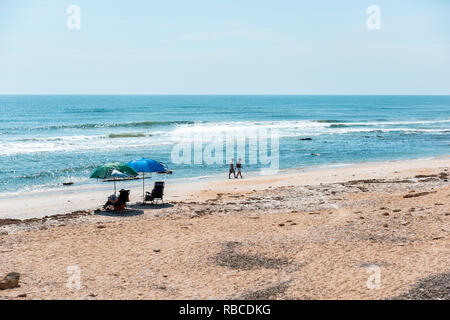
231,169
239,168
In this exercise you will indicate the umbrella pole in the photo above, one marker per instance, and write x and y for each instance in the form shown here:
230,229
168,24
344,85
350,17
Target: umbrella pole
143,187
114,186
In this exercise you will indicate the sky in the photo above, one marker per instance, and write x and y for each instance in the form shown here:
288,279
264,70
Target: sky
225,47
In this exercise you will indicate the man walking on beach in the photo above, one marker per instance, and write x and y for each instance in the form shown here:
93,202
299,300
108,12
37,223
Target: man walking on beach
239,169
231,169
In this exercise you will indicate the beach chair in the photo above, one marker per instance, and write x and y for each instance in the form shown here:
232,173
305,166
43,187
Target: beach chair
124,197
157,192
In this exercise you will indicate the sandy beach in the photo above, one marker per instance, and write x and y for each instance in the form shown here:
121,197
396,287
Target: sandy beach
321,233
337,114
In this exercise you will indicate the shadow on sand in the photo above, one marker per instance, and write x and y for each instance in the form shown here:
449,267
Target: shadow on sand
136,209
121,213
151,206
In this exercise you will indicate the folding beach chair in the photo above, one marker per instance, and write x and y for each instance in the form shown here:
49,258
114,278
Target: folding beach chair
121,203
124,197
157,192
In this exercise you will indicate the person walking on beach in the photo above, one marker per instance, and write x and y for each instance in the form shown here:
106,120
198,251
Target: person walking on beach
231,169
239,168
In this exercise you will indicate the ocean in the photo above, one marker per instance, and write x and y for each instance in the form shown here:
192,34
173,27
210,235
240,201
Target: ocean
49,140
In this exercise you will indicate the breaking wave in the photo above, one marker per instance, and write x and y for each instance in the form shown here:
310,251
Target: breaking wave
184,130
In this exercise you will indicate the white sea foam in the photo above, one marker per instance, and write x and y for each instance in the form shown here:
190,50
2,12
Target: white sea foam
378,123
186,131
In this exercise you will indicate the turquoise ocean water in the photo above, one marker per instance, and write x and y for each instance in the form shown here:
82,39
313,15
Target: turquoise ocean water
47,140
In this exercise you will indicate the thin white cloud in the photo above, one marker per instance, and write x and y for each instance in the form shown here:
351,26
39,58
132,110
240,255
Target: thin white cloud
224,35
221,35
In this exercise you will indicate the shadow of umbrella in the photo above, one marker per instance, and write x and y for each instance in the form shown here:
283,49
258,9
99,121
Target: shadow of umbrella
123,213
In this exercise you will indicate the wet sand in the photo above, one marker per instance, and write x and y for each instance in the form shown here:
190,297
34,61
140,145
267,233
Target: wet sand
304,234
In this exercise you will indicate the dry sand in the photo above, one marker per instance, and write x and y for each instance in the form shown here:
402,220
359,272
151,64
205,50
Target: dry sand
304,234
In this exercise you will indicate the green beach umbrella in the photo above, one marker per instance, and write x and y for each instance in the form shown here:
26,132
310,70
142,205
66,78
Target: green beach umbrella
113,170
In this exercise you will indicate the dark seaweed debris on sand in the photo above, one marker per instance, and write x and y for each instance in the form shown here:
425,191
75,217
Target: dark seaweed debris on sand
58,217
435,287
228,257
266,293
419,194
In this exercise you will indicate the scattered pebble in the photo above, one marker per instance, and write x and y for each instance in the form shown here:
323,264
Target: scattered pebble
10,281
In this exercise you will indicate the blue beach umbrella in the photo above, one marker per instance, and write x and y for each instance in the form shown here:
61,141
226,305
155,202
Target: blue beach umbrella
147,166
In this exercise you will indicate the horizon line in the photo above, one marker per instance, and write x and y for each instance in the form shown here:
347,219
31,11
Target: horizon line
220,94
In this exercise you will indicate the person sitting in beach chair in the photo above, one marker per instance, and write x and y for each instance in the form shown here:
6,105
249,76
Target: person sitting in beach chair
157,192
118,203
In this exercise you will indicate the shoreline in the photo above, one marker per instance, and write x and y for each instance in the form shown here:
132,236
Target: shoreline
74,198
106,186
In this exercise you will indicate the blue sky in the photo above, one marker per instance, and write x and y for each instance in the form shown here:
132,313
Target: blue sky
225,47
